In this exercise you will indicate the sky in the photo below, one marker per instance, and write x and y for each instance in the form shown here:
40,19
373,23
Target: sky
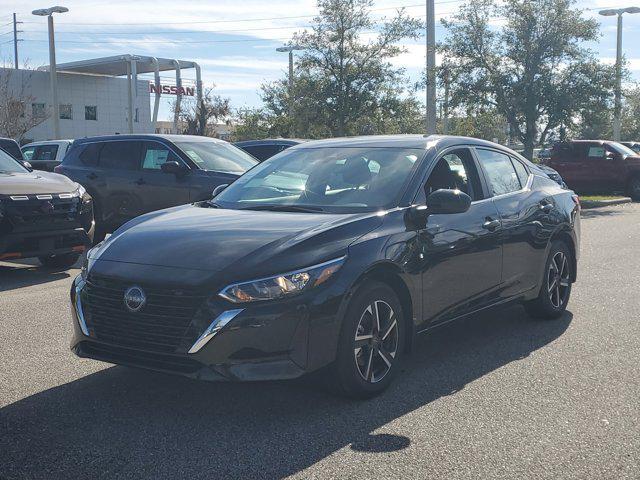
233,41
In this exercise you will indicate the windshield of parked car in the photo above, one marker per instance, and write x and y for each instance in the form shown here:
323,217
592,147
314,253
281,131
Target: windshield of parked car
622,149
324,179
216,156
8,164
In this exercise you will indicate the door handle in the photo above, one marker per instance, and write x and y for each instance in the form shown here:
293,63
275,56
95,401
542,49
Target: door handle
140,181
491,224
546,207
92,176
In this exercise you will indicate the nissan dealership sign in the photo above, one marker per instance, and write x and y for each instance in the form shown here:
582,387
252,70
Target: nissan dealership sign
172,90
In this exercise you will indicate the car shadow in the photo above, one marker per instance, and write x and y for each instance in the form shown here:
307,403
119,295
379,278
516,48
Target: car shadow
127,423
602,212
29,272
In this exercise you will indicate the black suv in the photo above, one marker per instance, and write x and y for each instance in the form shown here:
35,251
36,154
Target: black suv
42,215
268,147
128,175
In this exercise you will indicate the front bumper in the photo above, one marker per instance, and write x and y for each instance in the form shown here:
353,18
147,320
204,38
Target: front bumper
44,243
260,341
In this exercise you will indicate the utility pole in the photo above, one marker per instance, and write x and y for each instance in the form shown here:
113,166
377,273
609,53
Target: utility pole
617,122
431,68
290,49
445,116
15,41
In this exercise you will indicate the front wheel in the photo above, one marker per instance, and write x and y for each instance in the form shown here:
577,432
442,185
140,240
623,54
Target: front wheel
371,342
59,261
556,286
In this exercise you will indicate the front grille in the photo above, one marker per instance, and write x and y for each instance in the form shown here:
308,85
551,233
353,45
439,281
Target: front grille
162,325
35,214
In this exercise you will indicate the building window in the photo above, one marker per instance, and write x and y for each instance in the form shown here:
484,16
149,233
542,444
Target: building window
91,112
66,112
38,110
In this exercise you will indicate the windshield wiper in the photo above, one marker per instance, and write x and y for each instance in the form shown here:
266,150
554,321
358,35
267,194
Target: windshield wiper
285,208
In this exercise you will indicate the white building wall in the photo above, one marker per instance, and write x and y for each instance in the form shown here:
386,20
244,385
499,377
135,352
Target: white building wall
108,94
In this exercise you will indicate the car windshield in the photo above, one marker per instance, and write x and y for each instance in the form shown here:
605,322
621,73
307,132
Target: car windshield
624,150
219,157
324,179
8,164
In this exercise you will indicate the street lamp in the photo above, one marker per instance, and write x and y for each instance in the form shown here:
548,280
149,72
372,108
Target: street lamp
290,49
611,12
48,12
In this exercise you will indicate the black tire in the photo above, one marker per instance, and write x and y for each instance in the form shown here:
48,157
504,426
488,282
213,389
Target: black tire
65,261
366,370
555,290
634,188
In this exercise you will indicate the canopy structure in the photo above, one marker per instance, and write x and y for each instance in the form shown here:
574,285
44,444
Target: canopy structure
131,66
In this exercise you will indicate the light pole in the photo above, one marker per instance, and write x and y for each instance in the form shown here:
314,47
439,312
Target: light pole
431,68
48,12
617,127
290,49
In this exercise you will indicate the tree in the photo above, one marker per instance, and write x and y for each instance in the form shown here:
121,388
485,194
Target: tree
631,115
345,85
15,118
534,71
200,118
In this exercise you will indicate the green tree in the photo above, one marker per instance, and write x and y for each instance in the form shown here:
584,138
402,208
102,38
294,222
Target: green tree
631,115
534,71
344,84
200,118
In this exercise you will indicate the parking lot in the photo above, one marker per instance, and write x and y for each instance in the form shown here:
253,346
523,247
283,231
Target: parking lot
497,396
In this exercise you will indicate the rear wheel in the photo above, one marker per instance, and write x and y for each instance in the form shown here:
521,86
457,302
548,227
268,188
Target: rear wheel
65,261
556,286
371,342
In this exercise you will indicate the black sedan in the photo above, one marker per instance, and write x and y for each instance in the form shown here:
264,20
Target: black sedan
332,255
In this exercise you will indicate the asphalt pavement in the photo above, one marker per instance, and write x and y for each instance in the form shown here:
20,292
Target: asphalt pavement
494,396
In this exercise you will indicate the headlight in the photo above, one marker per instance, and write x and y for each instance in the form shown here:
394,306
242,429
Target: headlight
283,285
81,191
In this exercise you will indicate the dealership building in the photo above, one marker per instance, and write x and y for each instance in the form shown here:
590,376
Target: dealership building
100,96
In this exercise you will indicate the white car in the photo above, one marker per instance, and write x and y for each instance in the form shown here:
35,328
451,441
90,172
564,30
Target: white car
46,155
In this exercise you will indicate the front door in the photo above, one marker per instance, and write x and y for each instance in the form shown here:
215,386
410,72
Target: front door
462,252
159,189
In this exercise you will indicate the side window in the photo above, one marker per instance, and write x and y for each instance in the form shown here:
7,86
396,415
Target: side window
521,171
596,152
501,175
155,154
455,170
27,153
120,155
89,156
45,152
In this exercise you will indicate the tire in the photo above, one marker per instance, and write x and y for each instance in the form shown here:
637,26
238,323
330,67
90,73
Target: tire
60,261
365,369
634,188
555,290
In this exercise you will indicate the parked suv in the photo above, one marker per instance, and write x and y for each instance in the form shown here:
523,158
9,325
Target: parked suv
46,155
597,166
42,215
128,175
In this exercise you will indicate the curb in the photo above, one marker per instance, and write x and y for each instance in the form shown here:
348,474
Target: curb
585,204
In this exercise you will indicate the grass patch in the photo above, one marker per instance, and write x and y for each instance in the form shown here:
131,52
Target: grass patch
598,198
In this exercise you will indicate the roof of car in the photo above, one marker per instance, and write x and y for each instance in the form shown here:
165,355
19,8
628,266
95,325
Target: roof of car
422,142
48,142
270,141
150,136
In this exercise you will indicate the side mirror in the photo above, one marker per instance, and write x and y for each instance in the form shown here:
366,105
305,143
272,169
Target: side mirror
446,201
172,167
27,165
218,190
609,156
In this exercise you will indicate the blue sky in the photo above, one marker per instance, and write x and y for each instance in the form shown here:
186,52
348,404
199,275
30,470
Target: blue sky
234,42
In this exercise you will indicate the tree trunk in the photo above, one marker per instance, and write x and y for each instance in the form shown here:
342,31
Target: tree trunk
528,148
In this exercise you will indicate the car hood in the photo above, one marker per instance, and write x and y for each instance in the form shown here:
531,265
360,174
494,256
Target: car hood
33,183
223,241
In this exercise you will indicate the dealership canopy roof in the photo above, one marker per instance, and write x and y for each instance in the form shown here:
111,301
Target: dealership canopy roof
119,65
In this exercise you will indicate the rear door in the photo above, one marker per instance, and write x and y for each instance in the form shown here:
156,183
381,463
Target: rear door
462,251
525,216
160,190
115,176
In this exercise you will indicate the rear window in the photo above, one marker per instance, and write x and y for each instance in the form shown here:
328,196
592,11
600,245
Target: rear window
90,153
45,152
218,157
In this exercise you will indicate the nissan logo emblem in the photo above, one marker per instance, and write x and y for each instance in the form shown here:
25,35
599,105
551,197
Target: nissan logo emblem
134,299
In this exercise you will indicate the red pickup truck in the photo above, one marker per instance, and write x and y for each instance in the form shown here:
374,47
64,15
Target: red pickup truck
597,166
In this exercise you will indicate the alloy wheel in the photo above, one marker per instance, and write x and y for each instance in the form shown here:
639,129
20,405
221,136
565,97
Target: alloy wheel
558,280
376,341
